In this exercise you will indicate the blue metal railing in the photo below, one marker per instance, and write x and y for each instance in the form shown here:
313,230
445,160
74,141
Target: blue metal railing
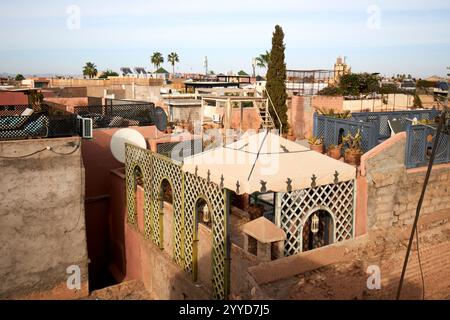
419,143
373,126
380,119
333,129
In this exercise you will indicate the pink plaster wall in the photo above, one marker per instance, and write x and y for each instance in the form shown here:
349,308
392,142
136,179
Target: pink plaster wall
70,103
250,119
361,206
10,98
98,162
302,110
135,257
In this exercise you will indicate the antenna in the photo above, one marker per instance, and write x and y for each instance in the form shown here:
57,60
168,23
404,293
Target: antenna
254,67
122,136
205,64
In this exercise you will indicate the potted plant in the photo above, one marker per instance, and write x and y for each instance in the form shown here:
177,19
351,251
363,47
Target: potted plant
352,154
316,144
334,151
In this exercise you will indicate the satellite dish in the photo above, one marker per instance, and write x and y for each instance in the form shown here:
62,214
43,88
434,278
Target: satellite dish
160,119
122,136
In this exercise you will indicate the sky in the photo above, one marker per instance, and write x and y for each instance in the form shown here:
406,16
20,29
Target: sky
59,37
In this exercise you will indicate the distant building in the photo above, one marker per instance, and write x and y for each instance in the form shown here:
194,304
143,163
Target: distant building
434,78
36,82
408,85
340,69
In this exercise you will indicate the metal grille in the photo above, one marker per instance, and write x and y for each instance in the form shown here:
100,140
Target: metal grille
13,109
380,119
185,148
22,127
123,115
39,124
194,188
332,130
298,205
419,143
63,125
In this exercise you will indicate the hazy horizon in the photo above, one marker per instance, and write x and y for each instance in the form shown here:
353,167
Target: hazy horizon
45,37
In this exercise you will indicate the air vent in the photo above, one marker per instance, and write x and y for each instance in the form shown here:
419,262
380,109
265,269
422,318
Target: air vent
86,128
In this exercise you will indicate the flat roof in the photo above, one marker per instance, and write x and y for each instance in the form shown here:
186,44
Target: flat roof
232,98
183,102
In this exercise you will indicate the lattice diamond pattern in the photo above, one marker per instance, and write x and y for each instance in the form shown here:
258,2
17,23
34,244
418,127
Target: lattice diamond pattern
141,158
186,189
296,206
194,188
165,168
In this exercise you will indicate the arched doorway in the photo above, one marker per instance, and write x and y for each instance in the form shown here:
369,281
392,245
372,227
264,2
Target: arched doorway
166,216
340,136
201,246
318,230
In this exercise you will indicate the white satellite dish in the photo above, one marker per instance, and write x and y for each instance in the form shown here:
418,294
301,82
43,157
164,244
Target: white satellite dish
122,136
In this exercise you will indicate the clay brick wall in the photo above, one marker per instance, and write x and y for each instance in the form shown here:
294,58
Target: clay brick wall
340,271
393,191
390,195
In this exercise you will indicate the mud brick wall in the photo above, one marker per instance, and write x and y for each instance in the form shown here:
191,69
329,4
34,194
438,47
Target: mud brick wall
394,191
42,225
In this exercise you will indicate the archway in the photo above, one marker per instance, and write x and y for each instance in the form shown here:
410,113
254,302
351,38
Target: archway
166,215
203,216
318,230
138,180
340,136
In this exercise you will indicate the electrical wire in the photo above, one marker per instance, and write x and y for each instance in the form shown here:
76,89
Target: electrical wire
23,156
61,154
420,264
42,150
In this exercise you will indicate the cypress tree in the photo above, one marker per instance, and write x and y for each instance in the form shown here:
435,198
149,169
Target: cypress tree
276,79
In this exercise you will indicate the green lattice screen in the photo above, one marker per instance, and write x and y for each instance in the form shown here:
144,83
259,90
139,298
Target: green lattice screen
186,188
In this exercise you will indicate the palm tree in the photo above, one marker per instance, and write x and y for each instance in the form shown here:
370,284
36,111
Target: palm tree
90,70
263,60
173,58
157,59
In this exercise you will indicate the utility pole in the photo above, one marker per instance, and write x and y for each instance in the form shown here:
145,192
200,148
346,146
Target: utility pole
254,67
448,90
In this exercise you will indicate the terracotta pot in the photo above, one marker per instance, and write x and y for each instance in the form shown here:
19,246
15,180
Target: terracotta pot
352,157
335,153
316,147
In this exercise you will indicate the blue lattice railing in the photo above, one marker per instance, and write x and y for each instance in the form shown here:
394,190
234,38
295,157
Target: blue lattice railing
332,130
419,143
374,126
380,119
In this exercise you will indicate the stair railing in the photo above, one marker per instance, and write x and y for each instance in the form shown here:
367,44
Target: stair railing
275,111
